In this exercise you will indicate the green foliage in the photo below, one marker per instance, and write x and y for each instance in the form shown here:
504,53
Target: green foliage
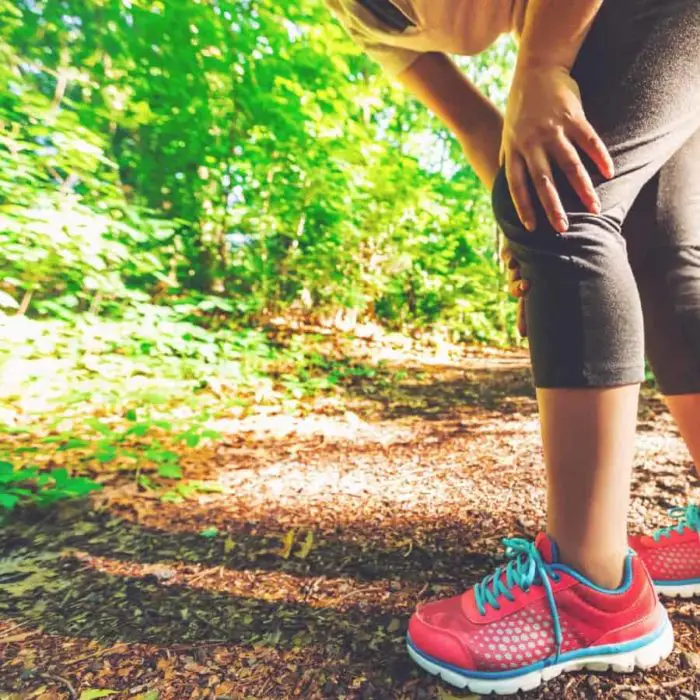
94,693
230,160
174,179
30,485
135,396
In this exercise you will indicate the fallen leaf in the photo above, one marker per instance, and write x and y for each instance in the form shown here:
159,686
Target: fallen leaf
150,695
443,694
306,545
209,532
229,544
287,544
394,626
690,661
163,664
197,668
15,638
92,693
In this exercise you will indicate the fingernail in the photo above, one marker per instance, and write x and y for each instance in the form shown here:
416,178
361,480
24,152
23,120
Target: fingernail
596,206
530,226
563,224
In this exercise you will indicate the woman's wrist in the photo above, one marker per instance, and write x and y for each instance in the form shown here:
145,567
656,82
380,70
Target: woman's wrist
481,145
543,60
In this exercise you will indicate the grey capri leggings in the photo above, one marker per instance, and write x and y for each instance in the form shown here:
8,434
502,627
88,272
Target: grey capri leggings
632,272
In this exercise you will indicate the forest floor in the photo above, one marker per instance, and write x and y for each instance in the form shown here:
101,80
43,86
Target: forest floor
297,578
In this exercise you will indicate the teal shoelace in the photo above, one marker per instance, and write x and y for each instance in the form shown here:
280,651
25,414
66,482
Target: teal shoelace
525,569
688,519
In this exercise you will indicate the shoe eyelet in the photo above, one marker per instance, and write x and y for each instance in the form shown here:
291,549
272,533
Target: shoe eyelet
556,578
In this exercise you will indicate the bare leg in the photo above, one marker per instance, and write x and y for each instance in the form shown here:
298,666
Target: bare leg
685,409
584,309
589,437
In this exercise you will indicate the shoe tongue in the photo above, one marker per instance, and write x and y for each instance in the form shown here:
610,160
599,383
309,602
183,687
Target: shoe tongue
547,547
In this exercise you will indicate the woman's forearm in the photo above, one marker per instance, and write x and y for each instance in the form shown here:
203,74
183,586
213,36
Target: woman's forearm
482,145
554,32
437,82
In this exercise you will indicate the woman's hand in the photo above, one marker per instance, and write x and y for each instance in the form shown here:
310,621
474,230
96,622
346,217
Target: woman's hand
544,125
517,286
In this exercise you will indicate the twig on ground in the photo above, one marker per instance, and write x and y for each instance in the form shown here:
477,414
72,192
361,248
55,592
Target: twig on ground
6,633
14,638
63,681
423,590
101,652
667,684
206,572
357,591
205,643
568,686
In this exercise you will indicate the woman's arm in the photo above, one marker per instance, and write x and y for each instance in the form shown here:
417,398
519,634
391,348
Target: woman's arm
544,121
437,82
554,31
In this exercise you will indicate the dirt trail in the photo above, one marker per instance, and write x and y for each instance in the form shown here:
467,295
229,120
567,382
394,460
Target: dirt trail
329,529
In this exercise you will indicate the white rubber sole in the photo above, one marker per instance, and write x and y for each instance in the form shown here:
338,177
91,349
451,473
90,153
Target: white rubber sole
685,590
624,662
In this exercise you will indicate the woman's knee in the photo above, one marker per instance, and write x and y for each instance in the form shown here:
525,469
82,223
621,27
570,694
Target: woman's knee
592,246
509,222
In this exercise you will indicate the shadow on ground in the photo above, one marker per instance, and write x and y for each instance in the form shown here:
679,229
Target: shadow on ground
298,581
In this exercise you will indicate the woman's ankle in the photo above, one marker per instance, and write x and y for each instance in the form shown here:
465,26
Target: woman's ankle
604,569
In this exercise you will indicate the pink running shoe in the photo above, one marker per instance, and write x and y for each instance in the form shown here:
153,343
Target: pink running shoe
672,554
534,618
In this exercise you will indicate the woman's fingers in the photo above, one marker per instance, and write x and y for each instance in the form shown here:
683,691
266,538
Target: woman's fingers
542,178
587,139
506,255
508,258
569,161
517,177
518,288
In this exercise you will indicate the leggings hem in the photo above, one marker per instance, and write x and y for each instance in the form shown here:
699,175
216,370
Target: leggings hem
616,376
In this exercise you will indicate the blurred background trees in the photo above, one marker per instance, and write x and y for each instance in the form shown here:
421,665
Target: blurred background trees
191,193
239,158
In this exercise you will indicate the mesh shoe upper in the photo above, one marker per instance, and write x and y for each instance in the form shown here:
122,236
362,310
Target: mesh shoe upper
672,554
518,628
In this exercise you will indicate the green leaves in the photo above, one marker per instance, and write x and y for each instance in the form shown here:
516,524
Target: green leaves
94,693
73,443
169,471
8,500
30,484
99,427
285,173
166,193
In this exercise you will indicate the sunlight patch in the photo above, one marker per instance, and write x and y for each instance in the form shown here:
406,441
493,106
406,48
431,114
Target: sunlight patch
348,427
259,585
